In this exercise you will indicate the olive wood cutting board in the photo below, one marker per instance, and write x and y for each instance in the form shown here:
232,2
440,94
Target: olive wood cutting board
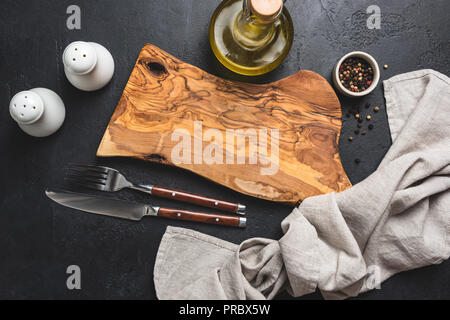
169,105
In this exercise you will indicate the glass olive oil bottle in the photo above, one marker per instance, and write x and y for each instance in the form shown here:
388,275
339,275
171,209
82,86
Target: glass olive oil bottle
251,37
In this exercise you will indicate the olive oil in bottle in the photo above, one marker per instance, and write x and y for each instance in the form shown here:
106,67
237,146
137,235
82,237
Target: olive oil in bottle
251,37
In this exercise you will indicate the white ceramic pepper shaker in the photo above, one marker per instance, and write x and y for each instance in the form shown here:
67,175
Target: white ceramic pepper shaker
39,112
88,65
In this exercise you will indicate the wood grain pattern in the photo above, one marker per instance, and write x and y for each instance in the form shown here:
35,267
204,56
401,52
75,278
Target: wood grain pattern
164,94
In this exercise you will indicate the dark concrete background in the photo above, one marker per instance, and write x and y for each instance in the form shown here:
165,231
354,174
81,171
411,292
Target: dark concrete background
39,239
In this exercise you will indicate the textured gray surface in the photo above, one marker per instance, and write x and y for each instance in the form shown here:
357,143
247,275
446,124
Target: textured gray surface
39,239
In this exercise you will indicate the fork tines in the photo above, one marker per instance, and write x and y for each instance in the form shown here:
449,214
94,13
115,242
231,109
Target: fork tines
87,176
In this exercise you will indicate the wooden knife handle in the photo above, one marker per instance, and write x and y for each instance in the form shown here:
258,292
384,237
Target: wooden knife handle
202,217
198,200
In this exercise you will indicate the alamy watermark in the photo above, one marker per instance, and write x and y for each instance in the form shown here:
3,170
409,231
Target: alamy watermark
235,147
373,277
73,282
374,20
73,22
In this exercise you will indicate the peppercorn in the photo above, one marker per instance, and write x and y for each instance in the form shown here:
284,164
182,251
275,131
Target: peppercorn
369,117
357,160
356,131
370,126
355,74
376,109
385,66
360,120
360,125
364,132
357,116
367,105
350,138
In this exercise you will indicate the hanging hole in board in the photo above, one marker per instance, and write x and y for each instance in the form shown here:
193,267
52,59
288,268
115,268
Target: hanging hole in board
156,68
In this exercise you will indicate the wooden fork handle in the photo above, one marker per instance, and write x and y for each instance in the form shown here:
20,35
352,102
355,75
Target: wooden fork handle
211,218
198,200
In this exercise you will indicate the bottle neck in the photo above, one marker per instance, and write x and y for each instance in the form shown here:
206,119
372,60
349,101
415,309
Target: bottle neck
253,31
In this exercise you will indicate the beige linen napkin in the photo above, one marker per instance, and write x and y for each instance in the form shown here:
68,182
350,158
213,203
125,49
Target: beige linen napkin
395,220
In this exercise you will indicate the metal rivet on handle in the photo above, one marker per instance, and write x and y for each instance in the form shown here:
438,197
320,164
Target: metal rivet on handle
179,214
173,194
217,220
216,203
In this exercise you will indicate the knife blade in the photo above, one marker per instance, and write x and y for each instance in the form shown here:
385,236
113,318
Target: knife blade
103,206
135,211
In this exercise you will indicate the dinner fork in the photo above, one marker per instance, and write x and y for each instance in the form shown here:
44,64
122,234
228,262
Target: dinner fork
111,180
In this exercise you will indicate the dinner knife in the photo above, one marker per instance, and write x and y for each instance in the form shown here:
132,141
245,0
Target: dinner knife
136,211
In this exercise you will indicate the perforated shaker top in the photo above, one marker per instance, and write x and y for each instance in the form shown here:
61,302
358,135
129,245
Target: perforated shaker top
79,57
26,107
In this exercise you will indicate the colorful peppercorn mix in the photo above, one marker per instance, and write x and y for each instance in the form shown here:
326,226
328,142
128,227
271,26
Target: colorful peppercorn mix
356,74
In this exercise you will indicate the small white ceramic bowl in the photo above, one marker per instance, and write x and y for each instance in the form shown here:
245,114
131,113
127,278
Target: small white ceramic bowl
376,74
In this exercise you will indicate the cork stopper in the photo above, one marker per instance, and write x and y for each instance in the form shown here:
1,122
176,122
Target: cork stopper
266,8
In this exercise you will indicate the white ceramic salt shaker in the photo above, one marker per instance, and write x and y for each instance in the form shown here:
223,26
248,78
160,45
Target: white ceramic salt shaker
39,112
88,65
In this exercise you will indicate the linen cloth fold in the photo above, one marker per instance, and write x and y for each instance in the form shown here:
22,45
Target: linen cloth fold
342,244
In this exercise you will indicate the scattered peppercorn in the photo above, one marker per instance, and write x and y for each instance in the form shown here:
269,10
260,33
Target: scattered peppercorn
360,119
385,66
347,115
357,161
356,74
